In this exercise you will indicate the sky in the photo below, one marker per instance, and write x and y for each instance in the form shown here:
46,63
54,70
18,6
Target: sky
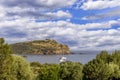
81,24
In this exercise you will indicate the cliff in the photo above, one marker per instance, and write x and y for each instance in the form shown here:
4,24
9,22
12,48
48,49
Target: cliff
47,46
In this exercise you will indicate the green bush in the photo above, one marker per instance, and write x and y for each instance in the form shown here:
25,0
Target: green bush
105,56
5,60
49,72
115,71
21,69
96,69
71,71
13,67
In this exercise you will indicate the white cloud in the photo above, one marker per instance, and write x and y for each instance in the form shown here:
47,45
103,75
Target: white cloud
109,14
35,10
58,3
59,14
100,4
18,24
38,3
75,35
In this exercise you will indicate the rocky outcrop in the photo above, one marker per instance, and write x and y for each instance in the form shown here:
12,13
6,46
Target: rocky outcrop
47,47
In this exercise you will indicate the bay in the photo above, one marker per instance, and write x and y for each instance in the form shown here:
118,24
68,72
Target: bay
82,58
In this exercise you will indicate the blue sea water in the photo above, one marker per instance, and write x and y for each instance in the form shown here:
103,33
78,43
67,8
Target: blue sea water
82,57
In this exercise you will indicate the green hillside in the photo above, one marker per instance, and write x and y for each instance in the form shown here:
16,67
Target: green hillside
47,46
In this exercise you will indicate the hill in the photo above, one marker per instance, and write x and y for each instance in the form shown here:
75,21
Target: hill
47,46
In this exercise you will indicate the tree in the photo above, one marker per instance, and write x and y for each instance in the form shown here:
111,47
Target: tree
105,56
112,61
116,57
20,69
5,60
35,64
115,71
96,69
12,67
49,72
36,68
71,71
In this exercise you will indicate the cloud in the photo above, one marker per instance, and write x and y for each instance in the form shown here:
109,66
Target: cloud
21,20
14,33
41,16
99,40
75,35
59,14
100,4
50,4
110,14
37,9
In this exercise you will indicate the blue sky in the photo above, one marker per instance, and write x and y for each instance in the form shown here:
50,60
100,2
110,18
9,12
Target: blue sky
81,24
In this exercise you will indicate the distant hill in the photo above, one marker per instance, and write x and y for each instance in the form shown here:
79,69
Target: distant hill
48,46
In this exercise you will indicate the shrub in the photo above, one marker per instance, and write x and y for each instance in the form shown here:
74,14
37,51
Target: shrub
71,71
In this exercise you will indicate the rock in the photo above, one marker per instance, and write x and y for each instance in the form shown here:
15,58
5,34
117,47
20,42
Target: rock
46,47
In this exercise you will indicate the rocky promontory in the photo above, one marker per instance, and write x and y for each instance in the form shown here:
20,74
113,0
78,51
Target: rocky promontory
46,47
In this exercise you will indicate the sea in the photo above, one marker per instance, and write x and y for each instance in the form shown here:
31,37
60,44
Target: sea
82,57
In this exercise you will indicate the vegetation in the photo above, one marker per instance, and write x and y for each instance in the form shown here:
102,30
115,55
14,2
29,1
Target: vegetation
105,66
71,71
5,60
96,70
13,67
47,46
21,69
49,72
63,71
